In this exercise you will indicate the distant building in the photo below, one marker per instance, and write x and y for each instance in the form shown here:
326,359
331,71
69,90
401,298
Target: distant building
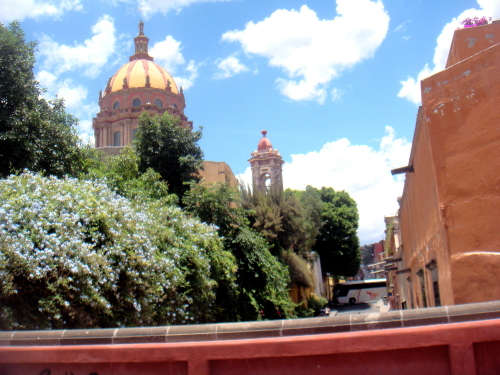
140,86
266,165
449,249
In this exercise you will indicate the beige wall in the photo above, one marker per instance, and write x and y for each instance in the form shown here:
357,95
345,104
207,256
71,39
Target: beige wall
218,171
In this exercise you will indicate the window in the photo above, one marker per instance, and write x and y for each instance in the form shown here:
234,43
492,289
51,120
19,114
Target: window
136,103
158,103
175,106
116,138
134,133
116,105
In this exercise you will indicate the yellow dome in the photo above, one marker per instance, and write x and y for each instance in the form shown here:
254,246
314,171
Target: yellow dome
136,72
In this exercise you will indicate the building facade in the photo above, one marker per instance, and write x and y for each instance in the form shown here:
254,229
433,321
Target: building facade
448,249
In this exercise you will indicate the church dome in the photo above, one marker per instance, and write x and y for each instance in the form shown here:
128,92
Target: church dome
264,143
136,73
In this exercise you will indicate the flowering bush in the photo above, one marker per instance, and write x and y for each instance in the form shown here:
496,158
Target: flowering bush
75,254
476,21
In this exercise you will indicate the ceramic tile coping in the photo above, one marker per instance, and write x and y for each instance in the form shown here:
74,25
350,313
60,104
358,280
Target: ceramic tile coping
257,329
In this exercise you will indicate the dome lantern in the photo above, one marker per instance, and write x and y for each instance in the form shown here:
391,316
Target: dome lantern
141,45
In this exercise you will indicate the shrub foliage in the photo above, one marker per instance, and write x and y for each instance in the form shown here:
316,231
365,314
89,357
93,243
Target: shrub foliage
75,254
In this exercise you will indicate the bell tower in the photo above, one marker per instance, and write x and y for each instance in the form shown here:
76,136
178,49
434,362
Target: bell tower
266,165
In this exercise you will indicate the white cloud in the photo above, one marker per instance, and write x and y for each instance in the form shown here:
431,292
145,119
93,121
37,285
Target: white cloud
90,56
364,172
410,89
402,26
150,7
75,99
310,51
22,9
336,94
192,73
168,54
228,67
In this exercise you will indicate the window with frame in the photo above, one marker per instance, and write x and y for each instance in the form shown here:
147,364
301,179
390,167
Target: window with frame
158,103
117,138
136,103
116,105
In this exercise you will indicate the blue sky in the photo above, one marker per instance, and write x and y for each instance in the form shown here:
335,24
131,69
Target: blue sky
335,83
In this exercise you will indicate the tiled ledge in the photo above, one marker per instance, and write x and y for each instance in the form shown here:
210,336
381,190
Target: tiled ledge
251,330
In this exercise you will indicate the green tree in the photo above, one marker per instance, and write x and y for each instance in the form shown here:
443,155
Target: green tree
312,207
35,134
74,254
338,243
170,150
262,280
277,215
121,173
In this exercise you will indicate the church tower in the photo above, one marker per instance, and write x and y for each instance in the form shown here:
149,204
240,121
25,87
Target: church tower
266,165
139,85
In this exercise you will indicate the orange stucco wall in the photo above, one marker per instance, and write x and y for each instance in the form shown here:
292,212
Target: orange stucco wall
422,231
451,203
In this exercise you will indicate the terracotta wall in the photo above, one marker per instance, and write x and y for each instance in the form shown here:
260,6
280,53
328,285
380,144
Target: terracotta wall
463,115
422,231
451,203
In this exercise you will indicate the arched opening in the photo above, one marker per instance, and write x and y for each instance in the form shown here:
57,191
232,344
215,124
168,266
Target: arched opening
265,181
158,103
116,105
136,103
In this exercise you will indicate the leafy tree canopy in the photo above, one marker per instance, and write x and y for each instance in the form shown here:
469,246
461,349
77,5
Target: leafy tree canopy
338,243
262,280
35,134
74,254
170,150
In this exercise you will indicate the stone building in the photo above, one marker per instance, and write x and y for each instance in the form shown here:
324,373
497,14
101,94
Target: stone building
139,85
448,248
266,165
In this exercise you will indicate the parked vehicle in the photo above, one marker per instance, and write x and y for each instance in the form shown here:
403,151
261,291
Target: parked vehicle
361,291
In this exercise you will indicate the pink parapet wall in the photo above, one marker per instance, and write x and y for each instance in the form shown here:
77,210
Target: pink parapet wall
431,345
